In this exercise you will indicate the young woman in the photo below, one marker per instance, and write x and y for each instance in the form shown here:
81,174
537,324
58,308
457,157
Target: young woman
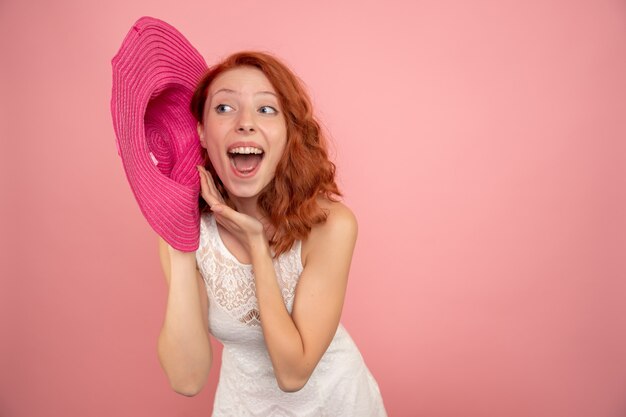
269,278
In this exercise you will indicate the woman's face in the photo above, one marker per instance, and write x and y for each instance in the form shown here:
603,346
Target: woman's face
244,130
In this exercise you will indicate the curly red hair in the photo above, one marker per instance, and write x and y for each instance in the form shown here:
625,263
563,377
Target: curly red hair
304,171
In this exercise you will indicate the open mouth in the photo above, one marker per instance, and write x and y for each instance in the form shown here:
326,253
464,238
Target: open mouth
245,159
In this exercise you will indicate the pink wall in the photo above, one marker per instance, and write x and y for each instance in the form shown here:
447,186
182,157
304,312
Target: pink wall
481,145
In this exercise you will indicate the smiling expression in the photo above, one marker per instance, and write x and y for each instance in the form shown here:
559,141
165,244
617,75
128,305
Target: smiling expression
244,130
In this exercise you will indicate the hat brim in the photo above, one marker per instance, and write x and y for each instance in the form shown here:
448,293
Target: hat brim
154,75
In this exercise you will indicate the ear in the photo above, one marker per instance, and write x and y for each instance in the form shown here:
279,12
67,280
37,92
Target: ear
201,135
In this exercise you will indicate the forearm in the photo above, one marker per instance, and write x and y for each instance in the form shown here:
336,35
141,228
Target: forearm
282,338
184,346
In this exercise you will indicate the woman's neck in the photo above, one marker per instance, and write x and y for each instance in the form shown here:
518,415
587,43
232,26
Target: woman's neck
247,206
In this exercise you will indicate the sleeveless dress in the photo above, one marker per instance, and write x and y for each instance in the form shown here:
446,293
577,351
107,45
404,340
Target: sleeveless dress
340,385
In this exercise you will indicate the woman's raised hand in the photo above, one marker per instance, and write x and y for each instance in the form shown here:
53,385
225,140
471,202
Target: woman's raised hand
209,191
248,230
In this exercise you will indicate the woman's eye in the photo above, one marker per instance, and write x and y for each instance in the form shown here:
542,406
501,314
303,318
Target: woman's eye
223,108
268,110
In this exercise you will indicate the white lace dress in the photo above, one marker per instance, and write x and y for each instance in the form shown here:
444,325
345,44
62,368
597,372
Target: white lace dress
341,384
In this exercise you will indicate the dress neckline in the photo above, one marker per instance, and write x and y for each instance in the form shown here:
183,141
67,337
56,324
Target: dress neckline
222,245
213,225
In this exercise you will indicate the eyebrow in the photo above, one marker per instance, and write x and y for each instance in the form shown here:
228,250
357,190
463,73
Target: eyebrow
228,90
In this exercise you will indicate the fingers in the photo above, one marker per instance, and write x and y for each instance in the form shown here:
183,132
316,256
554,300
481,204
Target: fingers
237,222
209,191
204,181
212,187
223,221
230,219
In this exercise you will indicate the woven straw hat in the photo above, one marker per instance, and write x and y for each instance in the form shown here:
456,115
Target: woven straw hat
154,75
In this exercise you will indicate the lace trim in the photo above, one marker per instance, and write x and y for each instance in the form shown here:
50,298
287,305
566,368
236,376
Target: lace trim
230,283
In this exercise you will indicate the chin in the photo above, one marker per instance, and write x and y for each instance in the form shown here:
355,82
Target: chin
244,190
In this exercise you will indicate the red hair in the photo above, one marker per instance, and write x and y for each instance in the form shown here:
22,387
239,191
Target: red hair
304,171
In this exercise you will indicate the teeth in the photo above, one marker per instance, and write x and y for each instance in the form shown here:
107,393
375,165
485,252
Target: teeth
246,150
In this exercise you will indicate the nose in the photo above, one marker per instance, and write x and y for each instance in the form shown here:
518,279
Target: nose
245,124
245,128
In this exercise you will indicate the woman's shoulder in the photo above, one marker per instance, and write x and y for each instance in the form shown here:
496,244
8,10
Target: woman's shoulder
340,228
339,216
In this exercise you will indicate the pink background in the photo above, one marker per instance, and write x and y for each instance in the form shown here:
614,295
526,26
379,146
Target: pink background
481,145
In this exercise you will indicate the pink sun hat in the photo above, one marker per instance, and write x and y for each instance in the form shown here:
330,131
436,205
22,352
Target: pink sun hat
155,73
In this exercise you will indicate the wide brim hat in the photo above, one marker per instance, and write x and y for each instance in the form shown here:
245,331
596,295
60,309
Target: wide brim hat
155,73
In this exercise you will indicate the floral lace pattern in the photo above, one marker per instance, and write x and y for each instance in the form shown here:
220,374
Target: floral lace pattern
231,283
340,385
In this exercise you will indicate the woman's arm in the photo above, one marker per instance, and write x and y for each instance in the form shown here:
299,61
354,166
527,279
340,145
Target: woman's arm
184,346
297,342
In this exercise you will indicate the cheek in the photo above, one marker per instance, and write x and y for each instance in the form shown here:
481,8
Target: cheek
280,139
212,138
214,155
